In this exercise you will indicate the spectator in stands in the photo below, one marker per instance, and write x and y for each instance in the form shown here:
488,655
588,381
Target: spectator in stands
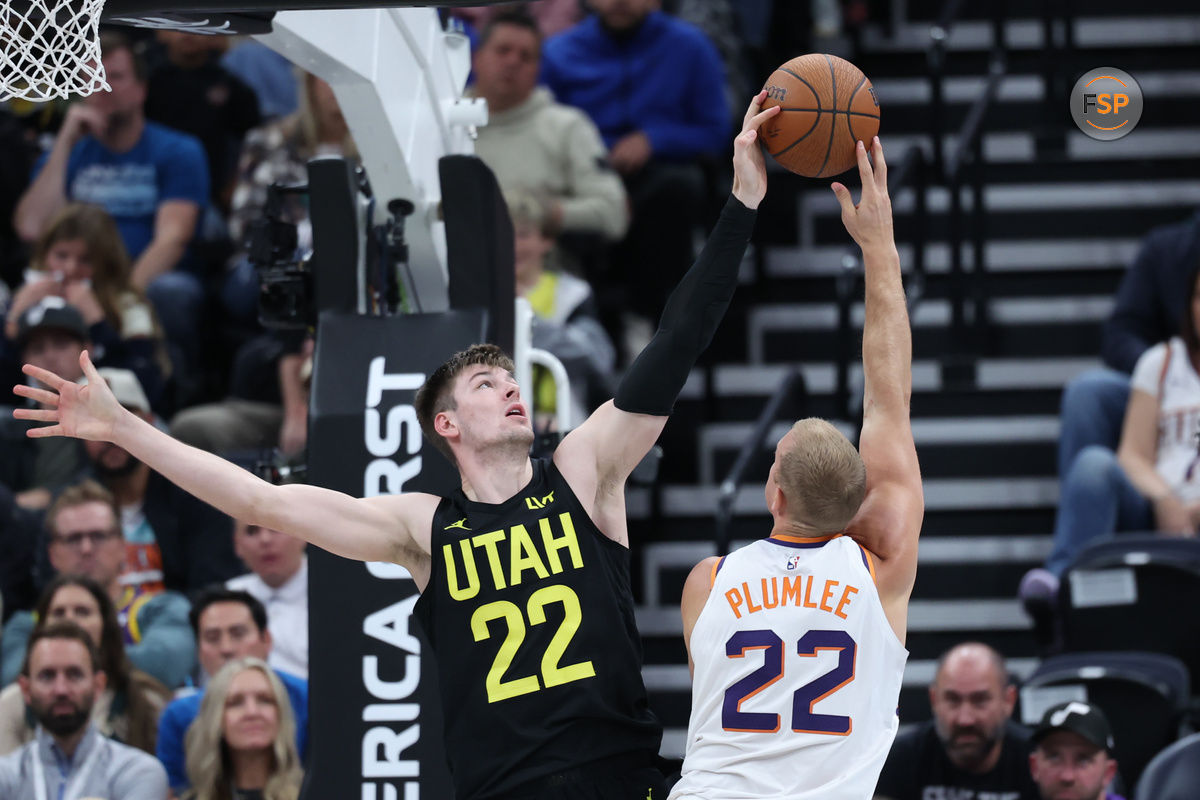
18,543
60,681
1151,482
192,92
244,738
228,625
550,16
80,257
1147,311
151,179
654,87
174,540
128,707
970,748
267,405
268,73
565,318
278,579
1072,757
85,539
48,333
535,144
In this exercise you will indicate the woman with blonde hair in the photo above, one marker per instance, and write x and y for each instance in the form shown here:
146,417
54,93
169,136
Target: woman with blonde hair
81,258
242,745
129,708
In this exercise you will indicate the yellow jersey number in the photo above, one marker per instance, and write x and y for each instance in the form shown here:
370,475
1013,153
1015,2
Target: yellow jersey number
553,673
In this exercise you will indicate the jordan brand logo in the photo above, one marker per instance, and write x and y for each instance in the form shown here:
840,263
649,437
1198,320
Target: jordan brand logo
462,524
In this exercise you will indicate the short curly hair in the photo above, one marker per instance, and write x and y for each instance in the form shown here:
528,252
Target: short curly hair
437,393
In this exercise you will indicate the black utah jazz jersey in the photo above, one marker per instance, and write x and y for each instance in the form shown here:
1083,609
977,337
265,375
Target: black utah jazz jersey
529,611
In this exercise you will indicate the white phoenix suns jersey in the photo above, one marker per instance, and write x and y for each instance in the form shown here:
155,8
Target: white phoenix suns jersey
797,676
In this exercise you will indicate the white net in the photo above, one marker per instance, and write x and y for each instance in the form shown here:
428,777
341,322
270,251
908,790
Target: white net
50,48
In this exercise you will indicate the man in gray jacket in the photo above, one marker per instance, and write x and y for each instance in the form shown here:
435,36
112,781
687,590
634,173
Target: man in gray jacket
535,144
60,681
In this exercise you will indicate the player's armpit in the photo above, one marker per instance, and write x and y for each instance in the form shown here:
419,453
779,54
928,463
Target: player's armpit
599,455
391,528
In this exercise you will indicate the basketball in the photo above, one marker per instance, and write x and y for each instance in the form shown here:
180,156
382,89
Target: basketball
828,106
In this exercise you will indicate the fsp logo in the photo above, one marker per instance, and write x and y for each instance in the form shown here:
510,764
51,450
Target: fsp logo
534,503
1106,103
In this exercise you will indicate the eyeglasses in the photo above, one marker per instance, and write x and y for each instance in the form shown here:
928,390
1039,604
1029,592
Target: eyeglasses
75,540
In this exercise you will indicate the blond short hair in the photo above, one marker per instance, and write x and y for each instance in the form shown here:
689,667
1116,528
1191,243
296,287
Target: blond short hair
822,476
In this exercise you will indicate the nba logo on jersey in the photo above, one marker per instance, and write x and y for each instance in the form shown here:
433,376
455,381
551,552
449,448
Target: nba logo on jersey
793,562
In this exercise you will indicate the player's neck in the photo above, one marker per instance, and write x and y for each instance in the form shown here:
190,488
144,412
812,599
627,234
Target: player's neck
496,475
790,527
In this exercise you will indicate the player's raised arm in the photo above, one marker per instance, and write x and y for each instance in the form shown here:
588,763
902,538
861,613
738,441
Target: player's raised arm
379,529
598,456
890,518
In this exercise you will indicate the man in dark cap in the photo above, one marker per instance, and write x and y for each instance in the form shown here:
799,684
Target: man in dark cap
1073,753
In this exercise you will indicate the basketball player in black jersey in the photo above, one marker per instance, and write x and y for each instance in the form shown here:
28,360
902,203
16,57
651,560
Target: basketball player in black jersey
523,571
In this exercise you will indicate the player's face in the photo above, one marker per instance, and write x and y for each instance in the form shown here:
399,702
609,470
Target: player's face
506,67
270,554
251,718
76,604
1065,766
87,541
970,706
489,411
227,631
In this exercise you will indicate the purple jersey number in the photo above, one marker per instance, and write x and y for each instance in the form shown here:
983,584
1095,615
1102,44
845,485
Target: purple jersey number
804,720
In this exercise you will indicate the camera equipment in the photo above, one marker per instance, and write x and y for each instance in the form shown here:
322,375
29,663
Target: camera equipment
285,298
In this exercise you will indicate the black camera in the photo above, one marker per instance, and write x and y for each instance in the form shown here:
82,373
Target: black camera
286,300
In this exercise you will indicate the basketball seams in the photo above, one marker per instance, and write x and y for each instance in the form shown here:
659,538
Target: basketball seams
809,85
833,123
850,104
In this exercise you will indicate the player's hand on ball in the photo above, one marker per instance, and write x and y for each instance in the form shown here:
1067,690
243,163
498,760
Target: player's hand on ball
749,168
84,412
869,222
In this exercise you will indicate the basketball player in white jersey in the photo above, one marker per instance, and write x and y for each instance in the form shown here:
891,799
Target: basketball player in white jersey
796,642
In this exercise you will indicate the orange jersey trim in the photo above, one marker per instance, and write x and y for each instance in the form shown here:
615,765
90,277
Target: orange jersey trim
870,559
785,537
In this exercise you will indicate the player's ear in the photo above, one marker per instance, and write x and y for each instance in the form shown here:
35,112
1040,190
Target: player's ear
444,424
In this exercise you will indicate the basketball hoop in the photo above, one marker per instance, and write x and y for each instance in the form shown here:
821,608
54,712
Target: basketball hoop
50,48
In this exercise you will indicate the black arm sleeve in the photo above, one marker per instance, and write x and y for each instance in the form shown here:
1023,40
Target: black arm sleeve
691,316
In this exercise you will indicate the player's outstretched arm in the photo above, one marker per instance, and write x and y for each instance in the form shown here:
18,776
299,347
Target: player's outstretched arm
371,530
599,455
890,519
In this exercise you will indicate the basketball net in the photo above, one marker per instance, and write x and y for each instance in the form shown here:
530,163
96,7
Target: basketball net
50,48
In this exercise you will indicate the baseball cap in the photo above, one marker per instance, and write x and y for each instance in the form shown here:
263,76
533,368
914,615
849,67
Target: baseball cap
1078,717
51,312
125,387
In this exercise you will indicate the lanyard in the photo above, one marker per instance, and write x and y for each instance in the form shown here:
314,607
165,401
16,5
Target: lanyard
74,786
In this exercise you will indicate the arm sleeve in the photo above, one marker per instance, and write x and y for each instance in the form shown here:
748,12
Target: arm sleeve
172,726
691,316
12,646
1137,320
167,649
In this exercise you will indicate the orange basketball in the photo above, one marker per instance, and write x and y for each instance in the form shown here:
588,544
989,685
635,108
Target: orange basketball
828,106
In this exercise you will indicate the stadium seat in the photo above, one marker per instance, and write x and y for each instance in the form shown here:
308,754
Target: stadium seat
1134,593
1144,695
1173,774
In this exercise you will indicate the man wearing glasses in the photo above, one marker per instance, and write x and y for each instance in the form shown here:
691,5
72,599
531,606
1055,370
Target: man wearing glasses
84,530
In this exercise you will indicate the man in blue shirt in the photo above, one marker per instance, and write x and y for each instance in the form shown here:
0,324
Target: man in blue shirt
154,181
653,85
229,624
